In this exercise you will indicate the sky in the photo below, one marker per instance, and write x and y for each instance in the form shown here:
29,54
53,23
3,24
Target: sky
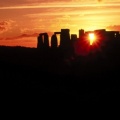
22,20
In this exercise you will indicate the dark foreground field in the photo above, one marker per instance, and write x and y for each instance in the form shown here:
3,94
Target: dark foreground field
55,77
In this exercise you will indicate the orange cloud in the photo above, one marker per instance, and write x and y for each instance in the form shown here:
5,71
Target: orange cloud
5,25
100,0
22,36
28,40
114,27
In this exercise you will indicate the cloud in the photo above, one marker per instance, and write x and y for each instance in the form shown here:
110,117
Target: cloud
5,25
114,27
18,3
25,36
29,2
1,39
22,36
100,0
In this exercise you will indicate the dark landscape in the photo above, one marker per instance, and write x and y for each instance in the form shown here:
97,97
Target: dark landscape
58,74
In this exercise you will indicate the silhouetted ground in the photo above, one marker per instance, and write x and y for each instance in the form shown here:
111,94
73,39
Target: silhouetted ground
53,76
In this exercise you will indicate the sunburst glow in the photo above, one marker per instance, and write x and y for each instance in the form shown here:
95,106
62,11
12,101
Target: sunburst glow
92,38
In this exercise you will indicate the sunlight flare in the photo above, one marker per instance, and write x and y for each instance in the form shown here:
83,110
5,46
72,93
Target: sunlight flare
91,38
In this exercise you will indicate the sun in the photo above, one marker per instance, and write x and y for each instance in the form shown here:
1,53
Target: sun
92,38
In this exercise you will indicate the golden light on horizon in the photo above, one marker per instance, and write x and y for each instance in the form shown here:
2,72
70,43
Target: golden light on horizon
91,38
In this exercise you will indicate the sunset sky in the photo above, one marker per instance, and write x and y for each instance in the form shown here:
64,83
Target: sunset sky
22,20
